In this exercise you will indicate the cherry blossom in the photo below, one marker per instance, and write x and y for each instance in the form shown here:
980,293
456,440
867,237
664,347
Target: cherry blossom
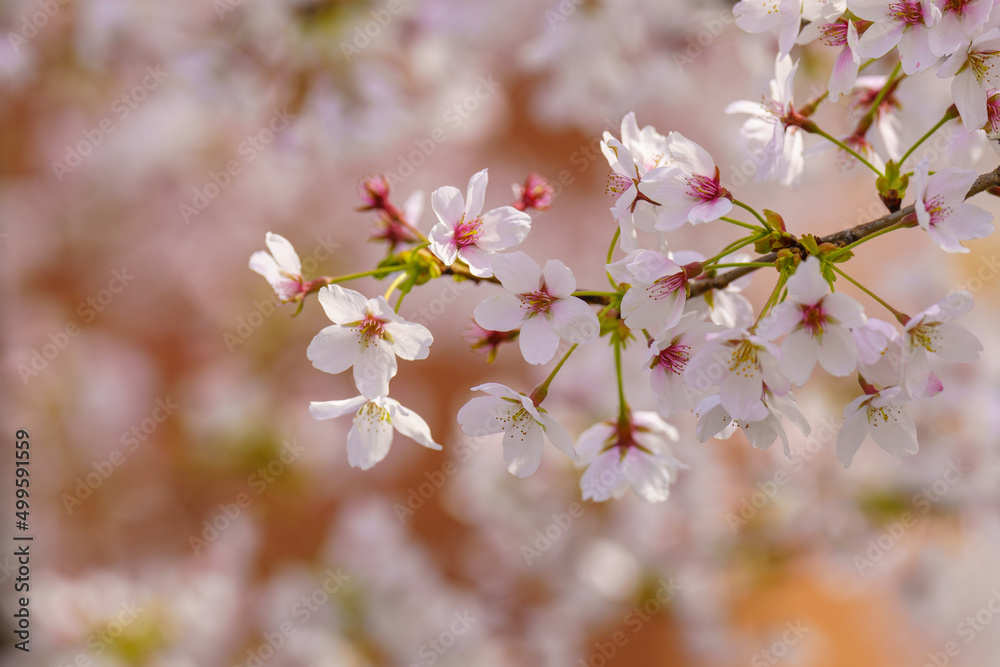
637,455
540,302
816,325
370,436
715,420
904,23
880,356
368,335
739,363
842,34
281,268
958,22
881,415
974,68
941,208
778,146
463,233
668,355
693,192
523,424
638,173
658,288
932,332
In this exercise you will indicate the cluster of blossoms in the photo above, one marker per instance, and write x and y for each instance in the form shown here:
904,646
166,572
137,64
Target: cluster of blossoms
709,350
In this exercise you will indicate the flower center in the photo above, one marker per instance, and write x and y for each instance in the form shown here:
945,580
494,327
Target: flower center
617,184
955,6
908,11
981,64
373,412
993,114
674,358
537,302
936,209
371,328
835,34
744,359
667,285
704,188
467,233
925,336
814,318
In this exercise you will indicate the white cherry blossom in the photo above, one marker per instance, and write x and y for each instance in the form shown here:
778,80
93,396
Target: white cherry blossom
904,23
668,355
464,233
638,456
540,302
658,289
958,22
941,208
281,268
816,324
692,192
370,436
525,426
976,69
932,332
715,420
881,415
367,335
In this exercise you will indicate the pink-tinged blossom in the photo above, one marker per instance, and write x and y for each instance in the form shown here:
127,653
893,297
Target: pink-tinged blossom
887,123
638,456
368,335
880,357
880,415
959,21
281,268
840,34
464,233
658,288
693,192
976,69
756,16
932,332
941,209
902,23
778,146
668,356
715,420
536,192
370,436
638,171
739,363
524,425
816,324
540,302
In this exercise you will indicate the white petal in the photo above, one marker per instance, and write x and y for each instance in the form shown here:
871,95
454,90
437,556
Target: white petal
369,439
284,254
448,205
411,425
332,409
558,278
342,305
593,440
895,433
443,243
522,446
265,265
844,309
480,261
650,480
537,340
800,352
409,340
500,312
574,320
557,435
604,478
838,354
476,194
741,396
517,272
807,284
375,366
484,415
503,228
956,343
334,349
852,434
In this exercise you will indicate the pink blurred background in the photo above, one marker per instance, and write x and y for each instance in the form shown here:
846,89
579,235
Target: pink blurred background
187,510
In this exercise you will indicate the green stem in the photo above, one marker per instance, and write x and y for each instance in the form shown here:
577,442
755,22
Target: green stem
539,393
873,109
899,316
745,225
731,265
611,254
395,283
844,147
750,209
589,293
622,404
771,300
947,116
365,274
731,248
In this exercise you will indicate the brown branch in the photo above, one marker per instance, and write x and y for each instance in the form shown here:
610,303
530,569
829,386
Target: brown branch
841,238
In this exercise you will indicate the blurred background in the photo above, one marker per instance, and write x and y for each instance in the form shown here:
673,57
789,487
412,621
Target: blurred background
187,510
